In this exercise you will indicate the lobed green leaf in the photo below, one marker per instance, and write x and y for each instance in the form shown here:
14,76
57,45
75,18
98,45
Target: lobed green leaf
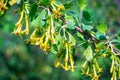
88,53
101,27
39,20
82,4
71,22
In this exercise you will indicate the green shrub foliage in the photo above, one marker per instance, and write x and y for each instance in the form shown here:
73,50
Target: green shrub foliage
54,26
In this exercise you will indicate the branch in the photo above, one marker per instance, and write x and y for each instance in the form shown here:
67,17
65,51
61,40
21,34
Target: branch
63,19
85,33
114,50
93,39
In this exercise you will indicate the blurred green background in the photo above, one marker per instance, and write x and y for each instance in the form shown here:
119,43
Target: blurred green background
19,61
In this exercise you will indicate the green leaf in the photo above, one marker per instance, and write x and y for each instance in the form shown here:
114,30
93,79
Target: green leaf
100,36
80,35
54,48
86,27
100,45
71,39
104,51
86,15
73,13
46,2
59,42
88,53
118,36
58,39
115,41
68,4
39,20
58,3
82,4
33,10
102,27
71,22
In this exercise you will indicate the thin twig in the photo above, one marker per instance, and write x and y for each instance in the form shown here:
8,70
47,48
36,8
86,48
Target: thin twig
86,34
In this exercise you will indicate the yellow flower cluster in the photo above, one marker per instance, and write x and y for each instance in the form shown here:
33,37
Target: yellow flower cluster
60,7
56,9
3,6
12,2
19,25
92,70
65,58
52,2
57,14
115,67
46,39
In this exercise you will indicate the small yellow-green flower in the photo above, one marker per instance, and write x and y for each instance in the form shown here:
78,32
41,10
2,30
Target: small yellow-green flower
56,13
52,2
60,7
12,2
3,7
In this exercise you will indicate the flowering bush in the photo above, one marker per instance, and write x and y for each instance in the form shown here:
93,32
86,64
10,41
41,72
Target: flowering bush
54,27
